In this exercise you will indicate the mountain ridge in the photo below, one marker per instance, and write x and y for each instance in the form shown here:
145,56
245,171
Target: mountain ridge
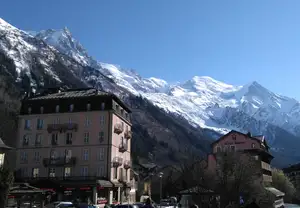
201,105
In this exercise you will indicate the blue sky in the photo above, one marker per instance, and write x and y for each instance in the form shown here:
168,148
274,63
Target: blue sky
235,41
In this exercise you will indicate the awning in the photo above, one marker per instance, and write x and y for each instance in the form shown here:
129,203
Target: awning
105,183
275,191
117,184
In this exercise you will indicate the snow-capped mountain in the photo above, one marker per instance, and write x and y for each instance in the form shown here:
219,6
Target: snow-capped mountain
202,100
54,57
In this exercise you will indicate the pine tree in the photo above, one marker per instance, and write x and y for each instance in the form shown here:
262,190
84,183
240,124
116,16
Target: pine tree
6,181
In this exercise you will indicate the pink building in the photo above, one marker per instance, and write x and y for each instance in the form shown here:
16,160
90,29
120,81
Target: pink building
77,142
254,145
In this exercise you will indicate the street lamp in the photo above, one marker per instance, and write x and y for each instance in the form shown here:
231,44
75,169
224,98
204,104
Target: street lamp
160,175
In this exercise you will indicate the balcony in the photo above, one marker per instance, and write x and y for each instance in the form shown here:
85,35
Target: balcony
118,128
123,147
60,161
62,127
127,164
128,134
117,161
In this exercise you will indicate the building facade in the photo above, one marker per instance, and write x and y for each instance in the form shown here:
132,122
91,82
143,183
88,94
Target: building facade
255,146
77,142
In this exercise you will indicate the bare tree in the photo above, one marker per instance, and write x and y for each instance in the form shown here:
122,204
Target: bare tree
237,174
6,180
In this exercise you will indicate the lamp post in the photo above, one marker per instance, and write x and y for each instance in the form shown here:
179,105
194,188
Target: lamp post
160,177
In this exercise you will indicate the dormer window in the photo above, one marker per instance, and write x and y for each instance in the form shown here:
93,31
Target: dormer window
71,108
117,107
122,112
29,110
57,108
42,109
88,107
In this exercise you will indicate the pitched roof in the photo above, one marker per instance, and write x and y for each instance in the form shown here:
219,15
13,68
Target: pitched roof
76,93
259,138
72,93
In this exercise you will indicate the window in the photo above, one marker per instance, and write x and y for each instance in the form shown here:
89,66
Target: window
68,155
234,137
219,149
84,171
86,137
24,157
122,112
67,172
27,124
36,156
70,121
122,123
100,171
53,154
126,174
35,172
102,106
88,107
2,155
24,172
54,139
69,136
87,122
101,136
102,120
126,115
38,139
85,154
42,110
225,148
126,128
39,123
57,108
100,154
26,139
115,173
29,110
117,107
253,145
52,172
232,148
71,108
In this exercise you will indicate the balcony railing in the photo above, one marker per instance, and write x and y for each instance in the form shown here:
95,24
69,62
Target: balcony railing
123,147
128,134
62,127
60,161
117,161
127,164
118,128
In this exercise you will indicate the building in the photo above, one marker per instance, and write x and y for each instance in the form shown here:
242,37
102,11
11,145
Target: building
3,149
76,142
255,146
245,143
